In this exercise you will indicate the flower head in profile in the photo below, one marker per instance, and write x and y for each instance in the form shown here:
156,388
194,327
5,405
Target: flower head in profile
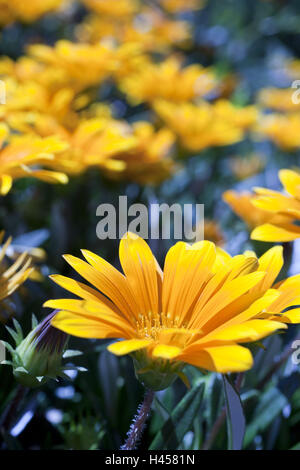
242,204
283,208
196,311
160,81
206,125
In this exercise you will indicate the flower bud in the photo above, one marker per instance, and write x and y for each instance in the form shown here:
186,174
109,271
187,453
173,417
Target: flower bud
38,357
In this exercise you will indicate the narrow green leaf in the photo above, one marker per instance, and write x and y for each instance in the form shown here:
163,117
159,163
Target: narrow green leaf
236,422
180,421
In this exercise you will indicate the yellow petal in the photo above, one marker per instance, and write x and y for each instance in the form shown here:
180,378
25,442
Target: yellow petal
139,266
291,181
272,233
271,263
223,359
165,351
96,311
5,184
81,290
230,292
105,278
292,316
50,176
252,330
82,326
125,347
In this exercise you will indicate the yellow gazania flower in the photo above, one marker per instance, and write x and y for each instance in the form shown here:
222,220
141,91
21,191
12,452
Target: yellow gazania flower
13,276
286,206
196,311
152,30
18,10
94,143
176,6
278,99
206,125
137,153
25,156
99,61
27,101
242,205
115,9
161,81
282,129
149,160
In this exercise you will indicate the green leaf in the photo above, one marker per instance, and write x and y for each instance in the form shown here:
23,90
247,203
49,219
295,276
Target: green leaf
180,421
236,422
15,336
269,407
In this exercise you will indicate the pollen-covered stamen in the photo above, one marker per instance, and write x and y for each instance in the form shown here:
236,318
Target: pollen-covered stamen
151,324
165,329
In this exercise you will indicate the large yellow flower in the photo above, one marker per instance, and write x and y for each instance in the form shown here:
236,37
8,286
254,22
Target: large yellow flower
196,311
284,205
26,156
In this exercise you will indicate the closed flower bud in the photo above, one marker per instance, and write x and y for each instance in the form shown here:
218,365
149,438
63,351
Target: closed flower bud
38,357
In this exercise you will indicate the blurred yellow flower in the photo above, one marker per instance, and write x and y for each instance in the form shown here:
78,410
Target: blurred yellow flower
11,276
151,30
242,205
286,206
278,99
168,80
282,129
20,10
149,160
213,232
177,6
206,125
136,153
26,156
115,8
196,311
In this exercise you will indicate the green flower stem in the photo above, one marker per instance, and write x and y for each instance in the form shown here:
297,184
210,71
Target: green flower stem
12,408
137,427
